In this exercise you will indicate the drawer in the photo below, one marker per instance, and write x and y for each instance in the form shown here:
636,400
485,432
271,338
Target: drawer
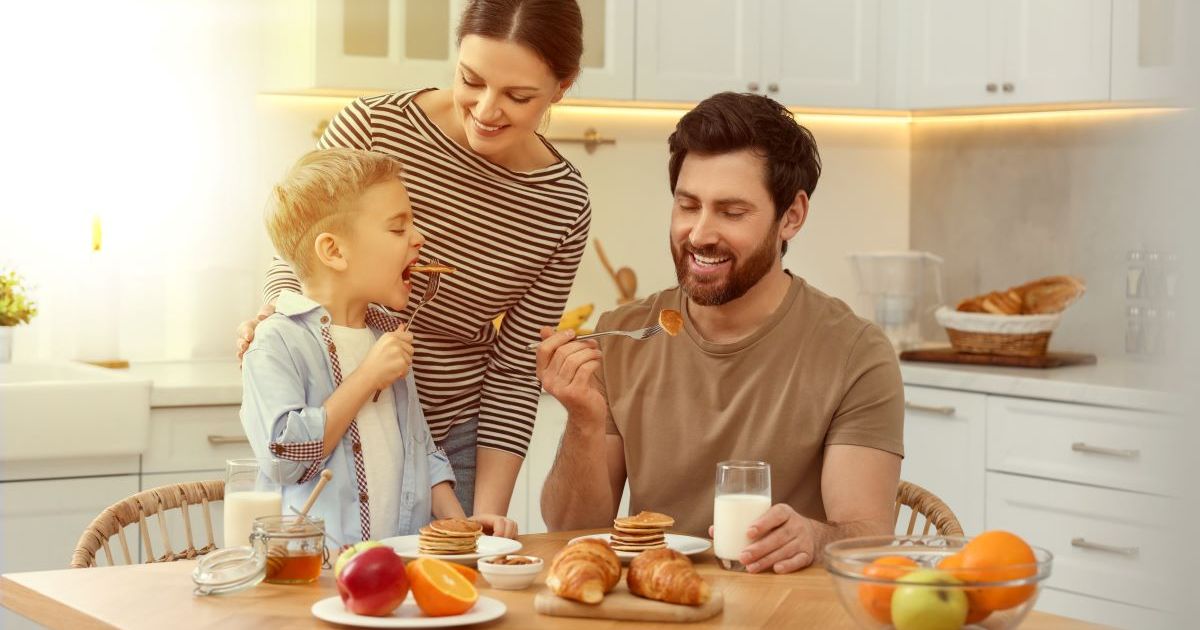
1115,448
1110,544
194,438
1104,612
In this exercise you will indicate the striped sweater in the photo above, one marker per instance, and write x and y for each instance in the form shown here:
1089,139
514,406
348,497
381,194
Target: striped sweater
516,239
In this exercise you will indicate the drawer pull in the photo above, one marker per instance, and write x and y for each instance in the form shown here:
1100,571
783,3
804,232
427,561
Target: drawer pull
1084,544
945,410
218,440
1083,447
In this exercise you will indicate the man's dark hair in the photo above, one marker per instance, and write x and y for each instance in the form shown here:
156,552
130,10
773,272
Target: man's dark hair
728,122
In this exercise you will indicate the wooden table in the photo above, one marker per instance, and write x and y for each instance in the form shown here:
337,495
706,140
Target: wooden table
160,595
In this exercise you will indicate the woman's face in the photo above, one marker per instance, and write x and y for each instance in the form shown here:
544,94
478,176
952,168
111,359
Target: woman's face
501,93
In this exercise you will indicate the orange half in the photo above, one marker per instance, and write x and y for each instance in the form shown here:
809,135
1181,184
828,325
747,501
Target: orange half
440,589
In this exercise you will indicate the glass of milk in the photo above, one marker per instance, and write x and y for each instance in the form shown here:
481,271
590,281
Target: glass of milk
251,490
743,494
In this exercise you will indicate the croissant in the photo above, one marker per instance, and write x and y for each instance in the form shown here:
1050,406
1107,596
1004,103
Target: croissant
668,576
584,571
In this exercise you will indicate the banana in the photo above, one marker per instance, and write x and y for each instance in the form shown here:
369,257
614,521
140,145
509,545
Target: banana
571,320
576,317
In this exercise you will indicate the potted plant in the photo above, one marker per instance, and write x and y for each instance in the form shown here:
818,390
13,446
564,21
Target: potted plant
15,308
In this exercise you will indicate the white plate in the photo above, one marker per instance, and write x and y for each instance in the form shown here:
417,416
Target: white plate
406,547
407,615
686,545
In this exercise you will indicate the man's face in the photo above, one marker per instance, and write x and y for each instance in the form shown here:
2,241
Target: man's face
724,235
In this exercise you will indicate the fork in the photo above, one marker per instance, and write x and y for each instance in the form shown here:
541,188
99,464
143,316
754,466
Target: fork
431,290
639,334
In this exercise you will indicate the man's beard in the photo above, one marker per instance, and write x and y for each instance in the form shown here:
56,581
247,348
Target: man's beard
741,277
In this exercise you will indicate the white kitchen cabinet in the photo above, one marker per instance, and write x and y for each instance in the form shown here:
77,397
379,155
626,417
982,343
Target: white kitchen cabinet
1148,40
1107,544
980,53
42,521
944,447
688,50
194,438
818,53
547,433
608,43
360,44
799,52
385,45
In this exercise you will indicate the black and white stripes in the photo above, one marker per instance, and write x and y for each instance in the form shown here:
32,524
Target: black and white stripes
516,239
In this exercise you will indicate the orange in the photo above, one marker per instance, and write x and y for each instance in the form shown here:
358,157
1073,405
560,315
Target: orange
439,588
953,566
998,556
471,574
876,599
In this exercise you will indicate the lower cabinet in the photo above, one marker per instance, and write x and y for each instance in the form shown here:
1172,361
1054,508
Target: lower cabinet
42,521
944,447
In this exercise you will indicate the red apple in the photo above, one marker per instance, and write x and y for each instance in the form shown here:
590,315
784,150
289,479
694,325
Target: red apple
373,582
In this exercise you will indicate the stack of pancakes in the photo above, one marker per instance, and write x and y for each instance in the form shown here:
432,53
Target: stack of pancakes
449,536
641,532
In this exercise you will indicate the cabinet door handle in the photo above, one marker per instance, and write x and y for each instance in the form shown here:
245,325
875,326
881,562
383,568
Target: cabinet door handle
1084,447
1085,544
218,440
753,86
773,88
945,410
992,87
1009,87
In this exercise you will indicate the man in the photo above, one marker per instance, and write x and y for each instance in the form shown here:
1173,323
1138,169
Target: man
766,367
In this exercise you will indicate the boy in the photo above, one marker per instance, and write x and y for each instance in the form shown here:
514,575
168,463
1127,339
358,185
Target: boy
342,218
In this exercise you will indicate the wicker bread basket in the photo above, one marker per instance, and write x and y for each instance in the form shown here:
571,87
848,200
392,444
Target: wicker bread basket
1009,335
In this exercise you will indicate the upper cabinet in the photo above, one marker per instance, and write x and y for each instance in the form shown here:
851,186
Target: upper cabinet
801,52
361,44
608,45
839,54
381,45
1147,45
981,53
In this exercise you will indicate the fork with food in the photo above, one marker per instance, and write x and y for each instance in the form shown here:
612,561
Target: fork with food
669,321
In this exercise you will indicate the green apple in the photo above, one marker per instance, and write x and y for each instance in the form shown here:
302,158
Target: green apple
350,553
918,603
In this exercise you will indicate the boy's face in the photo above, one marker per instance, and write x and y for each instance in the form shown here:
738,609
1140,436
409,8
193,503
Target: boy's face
724,234
381,244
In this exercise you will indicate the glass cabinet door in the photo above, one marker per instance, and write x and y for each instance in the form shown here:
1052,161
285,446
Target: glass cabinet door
608,40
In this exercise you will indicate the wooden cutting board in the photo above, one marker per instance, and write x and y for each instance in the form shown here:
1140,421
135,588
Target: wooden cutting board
949,355
621,604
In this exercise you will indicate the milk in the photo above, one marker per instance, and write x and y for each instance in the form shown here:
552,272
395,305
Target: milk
732,516
241,508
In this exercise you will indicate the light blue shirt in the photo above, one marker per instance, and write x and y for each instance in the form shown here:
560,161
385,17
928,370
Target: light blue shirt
287,375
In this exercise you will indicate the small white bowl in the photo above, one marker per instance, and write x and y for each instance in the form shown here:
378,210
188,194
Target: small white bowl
510,577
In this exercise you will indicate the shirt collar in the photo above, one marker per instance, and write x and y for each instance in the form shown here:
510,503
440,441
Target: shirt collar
290,303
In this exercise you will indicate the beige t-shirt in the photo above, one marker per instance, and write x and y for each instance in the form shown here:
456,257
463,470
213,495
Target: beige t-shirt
815,374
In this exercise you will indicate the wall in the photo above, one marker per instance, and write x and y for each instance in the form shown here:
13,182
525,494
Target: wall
1011,199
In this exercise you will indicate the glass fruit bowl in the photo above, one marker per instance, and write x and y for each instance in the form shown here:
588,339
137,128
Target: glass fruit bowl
920,582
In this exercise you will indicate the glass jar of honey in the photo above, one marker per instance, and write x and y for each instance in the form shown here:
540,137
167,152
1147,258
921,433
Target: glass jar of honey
293,545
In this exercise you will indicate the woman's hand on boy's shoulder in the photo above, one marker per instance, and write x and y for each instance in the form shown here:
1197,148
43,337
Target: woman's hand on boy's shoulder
245,330
496,525
390,358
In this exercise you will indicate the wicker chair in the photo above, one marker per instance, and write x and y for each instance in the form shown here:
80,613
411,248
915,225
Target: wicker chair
137,509
924,503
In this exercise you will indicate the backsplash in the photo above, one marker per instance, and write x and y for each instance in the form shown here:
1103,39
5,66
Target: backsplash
1008,201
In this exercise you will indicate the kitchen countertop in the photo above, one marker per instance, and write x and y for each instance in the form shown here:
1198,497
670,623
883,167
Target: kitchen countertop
1110,383
193,383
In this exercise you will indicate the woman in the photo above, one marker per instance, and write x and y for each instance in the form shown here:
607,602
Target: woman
498,202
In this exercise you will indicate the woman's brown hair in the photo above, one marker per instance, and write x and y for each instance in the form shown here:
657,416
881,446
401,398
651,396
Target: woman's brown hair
553,29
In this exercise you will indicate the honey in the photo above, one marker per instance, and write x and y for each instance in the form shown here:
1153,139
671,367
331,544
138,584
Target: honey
294,568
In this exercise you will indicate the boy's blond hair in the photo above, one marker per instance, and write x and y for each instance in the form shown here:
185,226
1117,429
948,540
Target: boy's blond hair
317,196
